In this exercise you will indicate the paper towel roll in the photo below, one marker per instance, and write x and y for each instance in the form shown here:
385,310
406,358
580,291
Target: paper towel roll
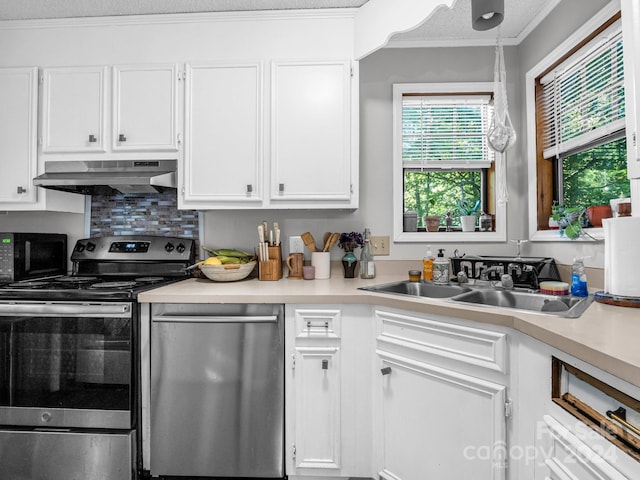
622,256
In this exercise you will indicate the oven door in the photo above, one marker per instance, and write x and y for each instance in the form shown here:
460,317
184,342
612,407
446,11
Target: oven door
66,364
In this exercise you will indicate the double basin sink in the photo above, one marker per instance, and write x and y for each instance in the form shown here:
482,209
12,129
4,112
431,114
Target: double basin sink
559,305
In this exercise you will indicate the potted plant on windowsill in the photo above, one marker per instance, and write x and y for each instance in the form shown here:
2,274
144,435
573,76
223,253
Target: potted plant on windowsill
569,220
468,211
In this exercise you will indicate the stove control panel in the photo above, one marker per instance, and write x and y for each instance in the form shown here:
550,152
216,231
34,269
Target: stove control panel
130,247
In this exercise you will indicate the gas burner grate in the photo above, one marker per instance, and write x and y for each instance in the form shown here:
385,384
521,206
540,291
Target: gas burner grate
149,279
29,284
76,280
113,285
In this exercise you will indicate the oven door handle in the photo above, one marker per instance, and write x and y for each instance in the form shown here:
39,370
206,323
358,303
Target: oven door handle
66,309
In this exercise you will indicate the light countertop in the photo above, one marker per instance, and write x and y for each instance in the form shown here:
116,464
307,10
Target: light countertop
605,336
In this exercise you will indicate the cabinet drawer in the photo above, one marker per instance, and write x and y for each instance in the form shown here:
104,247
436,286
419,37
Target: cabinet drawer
569,458
474,346
317,323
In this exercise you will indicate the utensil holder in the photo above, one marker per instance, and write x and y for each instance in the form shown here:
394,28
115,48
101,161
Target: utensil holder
271,269
268,270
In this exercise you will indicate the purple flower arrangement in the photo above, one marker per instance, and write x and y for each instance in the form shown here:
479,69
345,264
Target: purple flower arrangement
350,241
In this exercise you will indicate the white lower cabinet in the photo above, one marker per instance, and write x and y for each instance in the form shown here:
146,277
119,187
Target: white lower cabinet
388,394
442,403
327,382
553,444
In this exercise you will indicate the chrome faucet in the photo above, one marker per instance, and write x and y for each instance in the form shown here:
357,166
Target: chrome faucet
495,268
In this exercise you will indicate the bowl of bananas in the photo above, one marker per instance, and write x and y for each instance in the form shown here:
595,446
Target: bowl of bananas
227,265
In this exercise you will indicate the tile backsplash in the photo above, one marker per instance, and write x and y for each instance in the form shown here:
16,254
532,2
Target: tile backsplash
141,214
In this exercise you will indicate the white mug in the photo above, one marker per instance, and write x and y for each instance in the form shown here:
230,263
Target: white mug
322,262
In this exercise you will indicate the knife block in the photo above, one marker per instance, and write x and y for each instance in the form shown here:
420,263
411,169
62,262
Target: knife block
271,269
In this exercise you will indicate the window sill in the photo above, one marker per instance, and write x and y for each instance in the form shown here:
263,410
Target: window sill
597,234
449,237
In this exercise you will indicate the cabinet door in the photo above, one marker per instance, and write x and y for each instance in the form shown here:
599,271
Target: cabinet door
223,130
438,423
328,391
73,109
145,108
631,39
317,407
311,131
18,134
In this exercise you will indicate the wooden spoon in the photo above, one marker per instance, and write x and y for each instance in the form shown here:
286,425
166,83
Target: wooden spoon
308,240
333,239
325,239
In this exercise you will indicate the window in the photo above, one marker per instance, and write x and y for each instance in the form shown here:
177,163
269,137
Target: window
580,147
441,155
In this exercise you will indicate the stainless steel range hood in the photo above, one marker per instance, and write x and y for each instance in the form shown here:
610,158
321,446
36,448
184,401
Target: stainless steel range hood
108,176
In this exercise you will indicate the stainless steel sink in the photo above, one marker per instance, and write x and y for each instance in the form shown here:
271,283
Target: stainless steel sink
418,289
560,305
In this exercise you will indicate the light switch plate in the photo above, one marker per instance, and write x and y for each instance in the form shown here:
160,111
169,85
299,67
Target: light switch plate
380,245
296,245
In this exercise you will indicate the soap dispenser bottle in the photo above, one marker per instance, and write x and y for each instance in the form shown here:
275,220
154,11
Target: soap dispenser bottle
578,278
441,269
427,265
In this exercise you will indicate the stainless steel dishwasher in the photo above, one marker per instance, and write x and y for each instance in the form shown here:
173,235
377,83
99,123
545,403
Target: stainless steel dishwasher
217,390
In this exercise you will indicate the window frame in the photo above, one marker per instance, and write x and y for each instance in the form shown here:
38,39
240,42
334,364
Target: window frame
500,232
539,170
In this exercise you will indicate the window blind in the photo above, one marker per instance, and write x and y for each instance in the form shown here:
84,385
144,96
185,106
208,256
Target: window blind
446,131
582,100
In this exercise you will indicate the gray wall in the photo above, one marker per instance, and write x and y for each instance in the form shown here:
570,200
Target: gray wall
378,72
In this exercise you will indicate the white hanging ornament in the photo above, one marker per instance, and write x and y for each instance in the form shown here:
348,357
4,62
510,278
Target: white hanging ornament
501,134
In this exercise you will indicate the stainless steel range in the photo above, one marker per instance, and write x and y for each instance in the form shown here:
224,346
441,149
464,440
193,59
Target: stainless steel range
69,366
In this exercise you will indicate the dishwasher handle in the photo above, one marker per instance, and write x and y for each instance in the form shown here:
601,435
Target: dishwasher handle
215,319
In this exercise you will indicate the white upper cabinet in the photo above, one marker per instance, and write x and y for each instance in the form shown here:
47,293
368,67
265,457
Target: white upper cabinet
18,147
311,131
73,109
223,133
303,155
18,123
145,108
631,39
87,111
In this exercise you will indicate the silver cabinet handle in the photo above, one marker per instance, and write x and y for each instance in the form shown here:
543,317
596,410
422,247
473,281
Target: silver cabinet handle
92,139
21,189
317,325
249,189
281,188
385,370
122,137
325,364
